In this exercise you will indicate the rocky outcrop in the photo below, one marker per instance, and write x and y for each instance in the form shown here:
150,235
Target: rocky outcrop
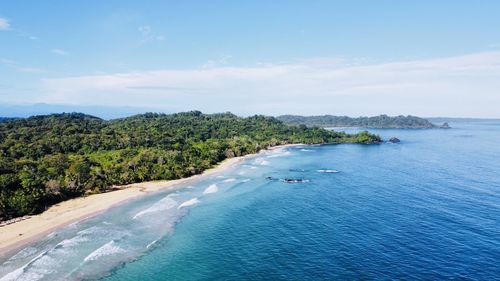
394,140
445,126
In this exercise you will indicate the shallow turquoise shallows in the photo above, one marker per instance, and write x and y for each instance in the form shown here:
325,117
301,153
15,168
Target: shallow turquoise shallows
427,208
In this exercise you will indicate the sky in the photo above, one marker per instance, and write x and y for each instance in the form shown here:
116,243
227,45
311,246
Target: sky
355,58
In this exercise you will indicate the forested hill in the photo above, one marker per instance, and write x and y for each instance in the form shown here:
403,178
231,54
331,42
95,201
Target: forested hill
381,121
46,159
3,119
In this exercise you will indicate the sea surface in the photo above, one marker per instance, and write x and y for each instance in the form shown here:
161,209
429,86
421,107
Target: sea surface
427,208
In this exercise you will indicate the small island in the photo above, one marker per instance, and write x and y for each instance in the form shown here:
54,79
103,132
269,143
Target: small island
375,122
51,158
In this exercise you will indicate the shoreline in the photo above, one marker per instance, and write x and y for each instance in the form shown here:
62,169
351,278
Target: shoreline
16,235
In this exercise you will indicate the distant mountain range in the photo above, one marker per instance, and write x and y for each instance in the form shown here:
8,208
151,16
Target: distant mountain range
105,112
2,119
380,122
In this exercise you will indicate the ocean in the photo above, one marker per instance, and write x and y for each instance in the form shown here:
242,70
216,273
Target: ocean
427,208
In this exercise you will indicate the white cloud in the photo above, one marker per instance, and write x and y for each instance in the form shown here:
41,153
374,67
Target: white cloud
145,30
31,70
60,52
20,68
222,61
148,35
465,85
24,34
4,24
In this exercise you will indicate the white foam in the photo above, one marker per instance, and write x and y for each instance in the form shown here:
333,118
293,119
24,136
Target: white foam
20,274
246,180
16,274
89,230
72,241
327,171
229,180
45,263
151,244
259,161
307,150
279,153
52,234
213,188
162,205
106,250
188,203
41,267
263,161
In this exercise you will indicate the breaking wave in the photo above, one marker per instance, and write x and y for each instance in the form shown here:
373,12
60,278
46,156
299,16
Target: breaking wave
18,273
152,243
213,188
279,153
107,249
162,205
71,242
188,203
261,161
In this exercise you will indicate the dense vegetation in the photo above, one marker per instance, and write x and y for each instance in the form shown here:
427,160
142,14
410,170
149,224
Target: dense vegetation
46,159
381,121
3,119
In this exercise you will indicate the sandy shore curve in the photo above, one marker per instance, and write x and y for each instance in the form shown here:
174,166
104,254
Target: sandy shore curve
16,235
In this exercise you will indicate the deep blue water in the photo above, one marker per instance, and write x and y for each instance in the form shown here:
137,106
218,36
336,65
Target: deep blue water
427,208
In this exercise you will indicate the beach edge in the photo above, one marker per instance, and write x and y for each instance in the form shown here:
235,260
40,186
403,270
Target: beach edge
19,234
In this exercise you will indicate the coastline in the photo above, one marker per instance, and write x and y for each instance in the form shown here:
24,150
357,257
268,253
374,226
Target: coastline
18,234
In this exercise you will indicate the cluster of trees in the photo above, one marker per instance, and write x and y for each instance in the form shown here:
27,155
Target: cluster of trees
50,158
381,121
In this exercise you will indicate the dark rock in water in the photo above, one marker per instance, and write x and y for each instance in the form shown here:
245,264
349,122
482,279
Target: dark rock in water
294,180
287,180
445,126
394,140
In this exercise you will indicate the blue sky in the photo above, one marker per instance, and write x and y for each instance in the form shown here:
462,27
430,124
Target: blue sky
428,58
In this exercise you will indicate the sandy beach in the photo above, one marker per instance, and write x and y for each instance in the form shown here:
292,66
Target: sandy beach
16,235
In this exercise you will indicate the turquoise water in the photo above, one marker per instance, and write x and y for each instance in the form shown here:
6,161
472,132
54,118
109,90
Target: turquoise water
427,208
